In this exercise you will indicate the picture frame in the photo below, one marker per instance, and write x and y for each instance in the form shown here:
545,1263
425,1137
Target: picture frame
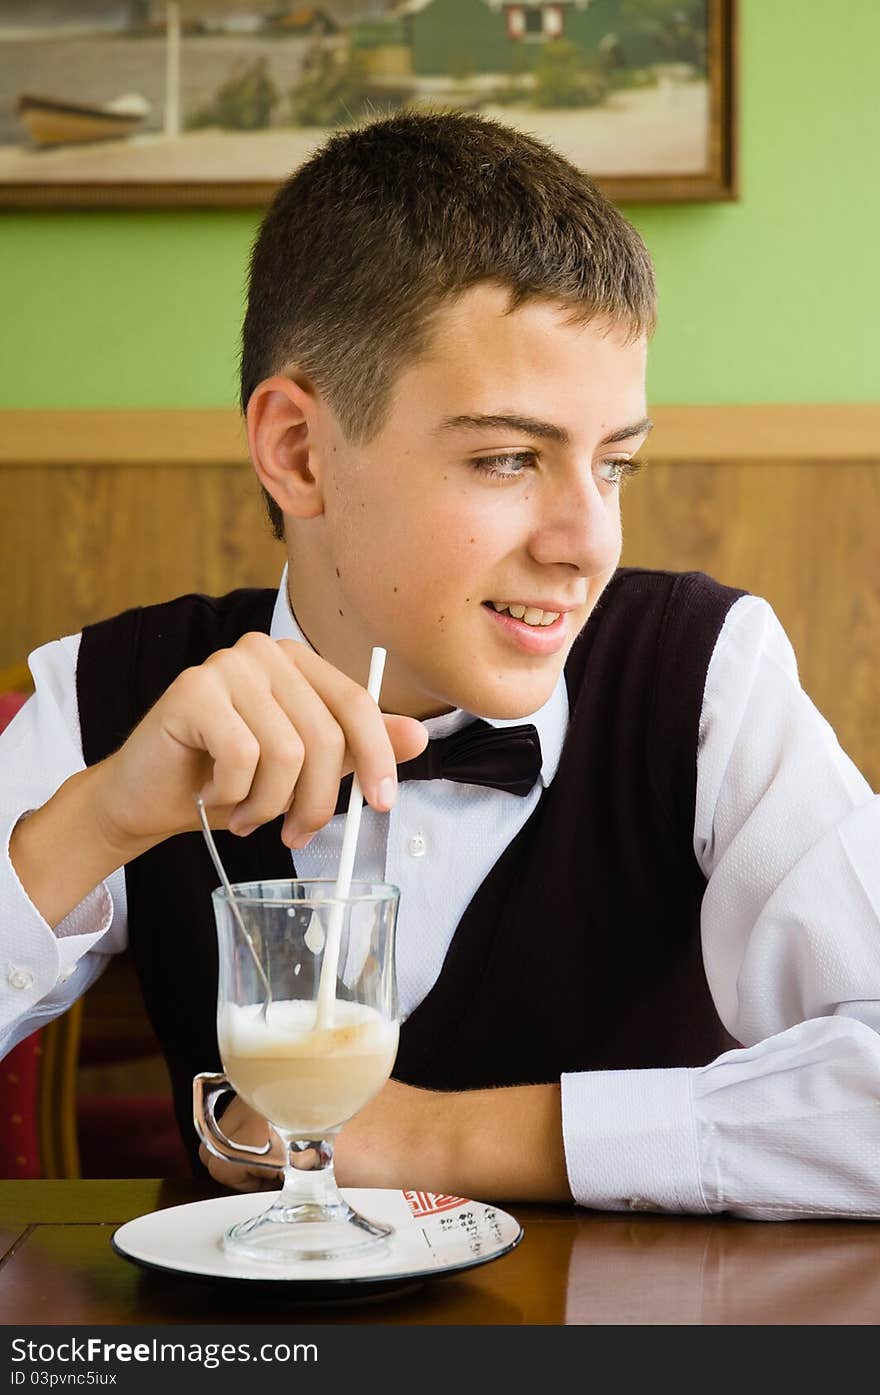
148,103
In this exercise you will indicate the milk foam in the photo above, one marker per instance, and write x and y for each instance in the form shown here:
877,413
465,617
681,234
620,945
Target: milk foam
289,1029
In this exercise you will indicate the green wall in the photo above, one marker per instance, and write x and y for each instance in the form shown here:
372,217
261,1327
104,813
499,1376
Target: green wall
771,299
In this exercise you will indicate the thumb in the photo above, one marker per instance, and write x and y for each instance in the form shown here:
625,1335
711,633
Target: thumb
408,737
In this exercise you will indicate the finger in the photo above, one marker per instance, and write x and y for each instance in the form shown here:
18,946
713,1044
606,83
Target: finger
208,721
301,752
369,747
283,752
233,1175
222,1172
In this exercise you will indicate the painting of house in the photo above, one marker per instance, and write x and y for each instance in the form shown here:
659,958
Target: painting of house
498,36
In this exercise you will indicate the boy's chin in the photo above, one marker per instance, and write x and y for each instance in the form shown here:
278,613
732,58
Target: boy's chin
511,701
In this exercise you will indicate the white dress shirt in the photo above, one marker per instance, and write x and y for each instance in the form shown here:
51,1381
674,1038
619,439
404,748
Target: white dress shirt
787,833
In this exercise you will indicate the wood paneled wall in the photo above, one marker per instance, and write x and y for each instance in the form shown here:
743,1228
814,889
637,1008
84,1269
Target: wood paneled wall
104,510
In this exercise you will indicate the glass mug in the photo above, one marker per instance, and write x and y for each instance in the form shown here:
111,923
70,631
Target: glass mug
306,1073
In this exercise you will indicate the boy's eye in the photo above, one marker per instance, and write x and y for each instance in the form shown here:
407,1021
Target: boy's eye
512,463
618,470
491,464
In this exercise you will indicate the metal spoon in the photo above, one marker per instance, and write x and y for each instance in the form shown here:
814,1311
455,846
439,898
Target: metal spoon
233,904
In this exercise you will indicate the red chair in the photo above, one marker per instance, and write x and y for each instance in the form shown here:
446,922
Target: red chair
19,1072
67,1107
9,705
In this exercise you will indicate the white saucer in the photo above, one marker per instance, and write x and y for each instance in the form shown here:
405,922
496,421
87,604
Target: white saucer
433,1235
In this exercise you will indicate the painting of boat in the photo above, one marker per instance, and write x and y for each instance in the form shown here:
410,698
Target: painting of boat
49,121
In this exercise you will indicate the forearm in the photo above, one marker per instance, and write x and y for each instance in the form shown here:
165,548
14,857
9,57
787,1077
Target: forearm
62,851
502,1144
507,1143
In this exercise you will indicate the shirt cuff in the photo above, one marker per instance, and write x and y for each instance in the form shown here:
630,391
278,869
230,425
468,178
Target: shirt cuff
630,1140
42,957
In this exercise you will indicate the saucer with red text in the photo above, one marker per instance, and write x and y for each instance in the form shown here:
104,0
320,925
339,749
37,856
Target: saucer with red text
433,1235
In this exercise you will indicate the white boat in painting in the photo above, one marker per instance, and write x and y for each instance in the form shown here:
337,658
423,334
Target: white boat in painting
50,121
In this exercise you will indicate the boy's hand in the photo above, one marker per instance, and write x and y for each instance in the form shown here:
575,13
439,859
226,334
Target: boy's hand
241,1124
264,728
384,1145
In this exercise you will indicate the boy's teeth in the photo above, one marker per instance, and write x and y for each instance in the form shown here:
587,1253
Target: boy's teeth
530,614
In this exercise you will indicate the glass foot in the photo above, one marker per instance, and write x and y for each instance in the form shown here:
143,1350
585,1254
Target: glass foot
306,1231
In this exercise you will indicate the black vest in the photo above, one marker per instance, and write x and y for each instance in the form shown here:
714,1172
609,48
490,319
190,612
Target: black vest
580,950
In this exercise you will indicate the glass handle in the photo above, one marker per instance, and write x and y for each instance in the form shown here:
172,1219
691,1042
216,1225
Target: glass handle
207,1089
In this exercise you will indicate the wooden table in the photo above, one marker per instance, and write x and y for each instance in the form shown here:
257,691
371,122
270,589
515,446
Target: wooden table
573,1266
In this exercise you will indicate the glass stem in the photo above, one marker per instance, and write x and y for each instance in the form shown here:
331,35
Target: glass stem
309,1186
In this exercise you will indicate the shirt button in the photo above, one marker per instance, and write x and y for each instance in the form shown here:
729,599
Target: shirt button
417,845
20,978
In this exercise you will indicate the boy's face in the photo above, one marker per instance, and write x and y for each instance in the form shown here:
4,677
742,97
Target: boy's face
414,539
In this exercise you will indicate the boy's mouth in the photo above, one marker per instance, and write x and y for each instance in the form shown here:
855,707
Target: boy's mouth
541,637
528,614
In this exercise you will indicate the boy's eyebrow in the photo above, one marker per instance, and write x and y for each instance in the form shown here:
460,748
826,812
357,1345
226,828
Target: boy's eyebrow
530,427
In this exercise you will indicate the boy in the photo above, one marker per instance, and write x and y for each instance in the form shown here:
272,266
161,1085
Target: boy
644,972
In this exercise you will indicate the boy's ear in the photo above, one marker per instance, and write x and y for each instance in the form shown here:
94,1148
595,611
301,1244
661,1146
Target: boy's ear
280,417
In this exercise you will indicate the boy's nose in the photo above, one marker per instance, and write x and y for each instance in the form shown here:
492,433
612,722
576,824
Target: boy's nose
578,526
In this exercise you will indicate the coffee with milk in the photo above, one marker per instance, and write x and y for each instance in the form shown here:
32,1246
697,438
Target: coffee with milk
307,1080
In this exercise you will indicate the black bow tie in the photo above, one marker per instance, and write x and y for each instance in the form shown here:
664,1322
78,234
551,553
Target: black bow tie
505,758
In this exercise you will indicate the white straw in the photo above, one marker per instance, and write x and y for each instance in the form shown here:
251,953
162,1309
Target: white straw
330,962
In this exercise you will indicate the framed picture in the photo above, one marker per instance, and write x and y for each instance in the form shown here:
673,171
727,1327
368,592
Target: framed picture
153,103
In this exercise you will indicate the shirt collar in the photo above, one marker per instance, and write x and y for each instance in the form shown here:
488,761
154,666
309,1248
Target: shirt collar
550,721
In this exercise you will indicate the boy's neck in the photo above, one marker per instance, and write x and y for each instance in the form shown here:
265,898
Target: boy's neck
397,696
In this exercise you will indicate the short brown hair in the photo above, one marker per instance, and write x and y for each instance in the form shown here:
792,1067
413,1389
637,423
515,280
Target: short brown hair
388,220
